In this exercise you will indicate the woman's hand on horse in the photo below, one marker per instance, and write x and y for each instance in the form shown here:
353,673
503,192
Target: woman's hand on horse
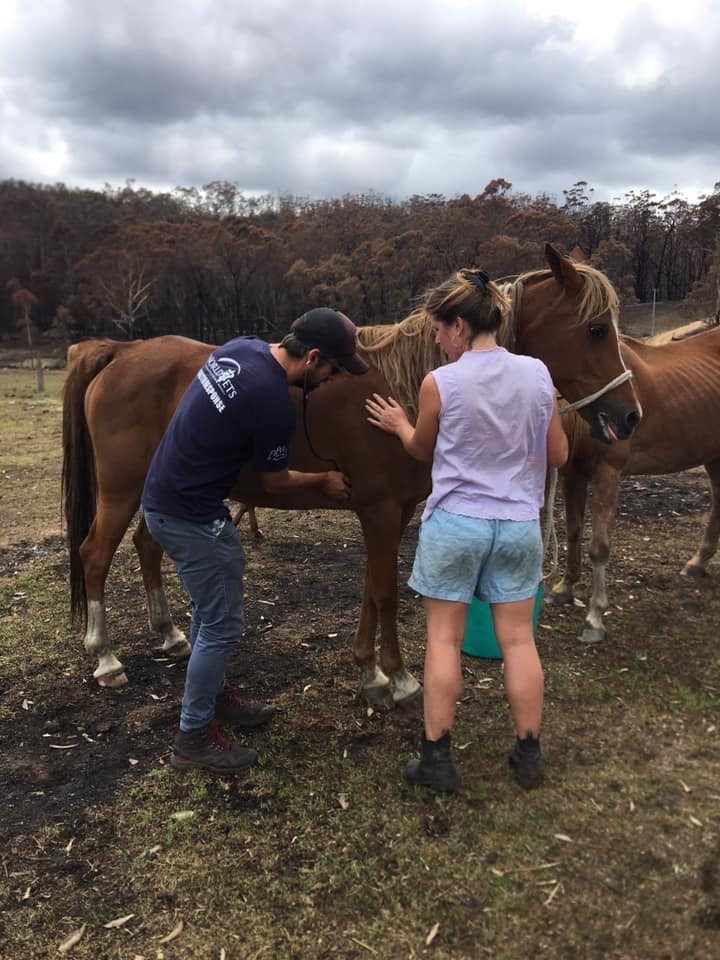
336,485
388,415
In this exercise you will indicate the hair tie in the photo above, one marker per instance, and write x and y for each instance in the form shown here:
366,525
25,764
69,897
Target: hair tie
477,277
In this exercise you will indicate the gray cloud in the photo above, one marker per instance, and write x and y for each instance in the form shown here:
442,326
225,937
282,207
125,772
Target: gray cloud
325,98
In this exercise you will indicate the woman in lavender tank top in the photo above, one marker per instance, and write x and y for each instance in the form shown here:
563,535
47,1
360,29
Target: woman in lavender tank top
489,423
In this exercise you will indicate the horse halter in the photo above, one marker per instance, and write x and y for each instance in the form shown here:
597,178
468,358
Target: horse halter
621,378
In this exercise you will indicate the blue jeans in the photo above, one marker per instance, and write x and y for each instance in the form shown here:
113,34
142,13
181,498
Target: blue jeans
210,561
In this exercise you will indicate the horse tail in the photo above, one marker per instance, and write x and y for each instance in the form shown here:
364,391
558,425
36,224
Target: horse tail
79,488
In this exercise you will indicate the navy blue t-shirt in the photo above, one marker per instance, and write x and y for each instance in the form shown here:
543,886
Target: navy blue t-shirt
236,411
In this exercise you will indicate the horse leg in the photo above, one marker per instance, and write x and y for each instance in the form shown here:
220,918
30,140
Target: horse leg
382,529
697,565
174,642
96,553
374,684
407,691
575,497
255,530
606,484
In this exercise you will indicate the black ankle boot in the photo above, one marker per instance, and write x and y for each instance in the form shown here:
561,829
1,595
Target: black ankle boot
527,762
435,769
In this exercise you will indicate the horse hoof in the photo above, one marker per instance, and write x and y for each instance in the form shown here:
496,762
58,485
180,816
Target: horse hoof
592,635
180,649
378,697
694,572
560,599
113,680
412,705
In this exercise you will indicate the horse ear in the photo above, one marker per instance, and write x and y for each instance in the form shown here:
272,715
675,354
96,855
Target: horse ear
563,269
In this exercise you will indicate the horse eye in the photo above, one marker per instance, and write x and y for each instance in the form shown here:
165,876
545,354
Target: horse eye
598,331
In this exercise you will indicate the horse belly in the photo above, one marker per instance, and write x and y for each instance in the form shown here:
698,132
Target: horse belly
672,459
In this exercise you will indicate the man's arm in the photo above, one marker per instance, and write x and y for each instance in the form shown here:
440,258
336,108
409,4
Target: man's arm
331,483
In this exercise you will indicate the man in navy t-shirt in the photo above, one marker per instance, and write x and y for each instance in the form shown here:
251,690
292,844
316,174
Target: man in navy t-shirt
236,411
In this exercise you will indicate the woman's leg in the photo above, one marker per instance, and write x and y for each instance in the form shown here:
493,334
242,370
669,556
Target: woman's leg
445,621
524,685
442,684
523,673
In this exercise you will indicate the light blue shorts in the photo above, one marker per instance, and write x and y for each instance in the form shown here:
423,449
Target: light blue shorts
458,558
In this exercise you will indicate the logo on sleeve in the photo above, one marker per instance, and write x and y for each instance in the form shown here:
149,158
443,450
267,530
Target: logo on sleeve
279,453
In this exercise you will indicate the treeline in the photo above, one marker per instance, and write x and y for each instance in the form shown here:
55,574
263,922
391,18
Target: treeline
211,263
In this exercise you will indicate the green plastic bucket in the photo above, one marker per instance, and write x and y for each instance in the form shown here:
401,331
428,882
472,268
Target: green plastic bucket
479,638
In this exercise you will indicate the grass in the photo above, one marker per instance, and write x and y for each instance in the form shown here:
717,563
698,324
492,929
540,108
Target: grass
30,453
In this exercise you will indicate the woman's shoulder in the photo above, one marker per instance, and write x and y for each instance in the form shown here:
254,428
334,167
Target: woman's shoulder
523,359
534,364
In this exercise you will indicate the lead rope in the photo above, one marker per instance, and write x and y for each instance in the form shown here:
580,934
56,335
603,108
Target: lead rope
549,532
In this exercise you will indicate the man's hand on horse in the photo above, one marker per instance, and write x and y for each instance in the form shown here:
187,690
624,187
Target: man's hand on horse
336,485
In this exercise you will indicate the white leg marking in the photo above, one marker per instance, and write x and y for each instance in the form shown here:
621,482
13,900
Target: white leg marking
96,633
109,672
174,641
598,600
373,678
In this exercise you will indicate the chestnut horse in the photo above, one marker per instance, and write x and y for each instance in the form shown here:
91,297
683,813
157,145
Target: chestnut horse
678,385
119,397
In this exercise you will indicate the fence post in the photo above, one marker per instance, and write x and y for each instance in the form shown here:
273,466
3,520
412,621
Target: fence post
652,328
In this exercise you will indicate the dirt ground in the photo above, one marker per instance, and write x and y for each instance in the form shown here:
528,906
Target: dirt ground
617,857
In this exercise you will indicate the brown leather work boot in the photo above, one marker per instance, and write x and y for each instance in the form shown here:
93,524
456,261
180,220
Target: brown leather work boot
207,749
234,710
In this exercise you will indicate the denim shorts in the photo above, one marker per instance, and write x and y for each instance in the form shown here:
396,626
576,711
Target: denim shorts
458,558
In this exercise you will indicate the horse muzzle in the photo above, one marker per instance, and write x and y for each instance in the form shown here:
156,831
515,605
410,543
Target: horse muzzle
607,424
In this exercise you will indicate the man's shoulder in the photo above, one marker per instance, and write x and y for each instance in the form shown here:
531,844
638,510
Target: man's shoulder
249,362
244,347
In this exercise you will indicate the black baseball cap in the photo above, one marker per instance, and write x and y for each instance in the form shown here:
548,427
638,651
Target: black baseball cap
333,334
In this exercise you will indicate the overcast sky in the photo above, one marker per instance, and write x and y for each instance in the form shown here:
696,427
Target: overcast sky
319,98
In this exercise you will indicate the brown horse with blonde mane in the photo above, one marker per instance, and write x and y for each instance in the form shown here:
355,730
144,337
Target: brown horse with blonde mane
678,385
119,398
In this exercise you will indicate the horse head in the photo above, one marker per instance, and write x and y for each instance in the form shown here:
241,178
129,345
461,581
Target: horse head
567,316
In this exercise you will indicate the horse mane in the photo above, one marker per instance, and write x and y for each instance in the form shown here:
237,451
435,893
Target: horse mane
406,351
598,294
403,352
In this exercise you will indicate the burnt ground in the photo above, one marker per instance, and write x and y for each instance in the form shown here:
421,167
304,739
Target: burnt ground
315,569
322,851
136,721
